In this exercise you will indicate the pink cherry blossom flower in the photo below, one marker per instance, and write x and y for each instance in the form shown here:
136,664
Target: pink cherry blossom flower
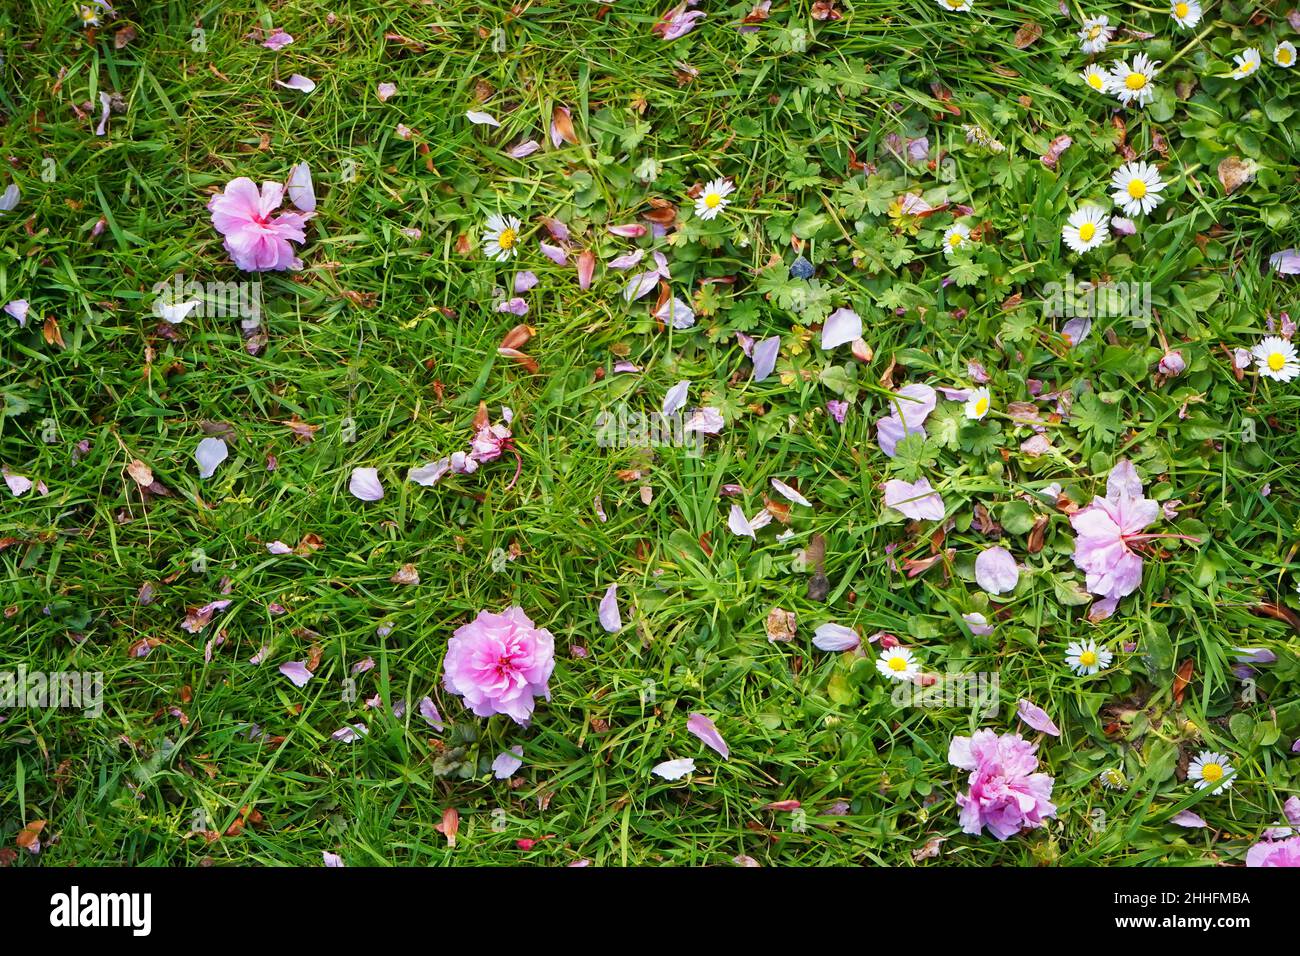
499,664
256,237
1109,532
1006,794
1275,853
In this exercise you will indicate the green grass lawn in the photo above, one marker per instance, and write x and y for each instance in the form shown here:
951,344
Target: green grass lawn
386,342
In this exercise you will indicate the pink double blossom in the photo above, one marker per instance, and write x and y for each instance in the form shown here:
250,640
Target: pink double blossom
1006,794
256,235
500,663
1110,532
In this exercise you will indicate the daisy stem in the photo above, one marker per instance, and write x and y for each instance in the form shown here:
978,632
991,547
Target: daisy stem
1191,43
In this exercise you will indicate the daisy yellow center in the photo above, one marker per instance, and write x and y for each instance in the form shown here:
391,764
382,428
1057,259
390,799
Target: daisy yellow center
955,239
897,664
1284,56
1088,658
1182,9
1212,772
1135,81
981,406
1113,777
507,238
1087,231
1276,360
712,200
1137,188
955,3
1247,66
1094,31
1094,80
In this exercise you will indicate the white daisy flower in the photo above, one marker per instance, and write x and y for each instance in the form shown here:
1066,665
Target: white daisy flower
1276,359
955,237
1211,769
501,237
1113,779
1095,34
956,6
898,663
1135,84
1137,188
714,199
1284,54
89,17
1186,13
1096,77
1087,228
1247,63
978,403
1086,658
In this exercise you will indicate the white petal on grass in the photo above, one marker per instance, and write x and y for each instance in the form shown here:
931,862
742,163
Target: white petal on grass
17,310
739,524
835,637
430,474
18,484
508,762
176,314
210,453
610,618
676,397
9,198
479,118
297,672
302,191
365,484
674,769
765,356
789,493
996,571
298,82
843,325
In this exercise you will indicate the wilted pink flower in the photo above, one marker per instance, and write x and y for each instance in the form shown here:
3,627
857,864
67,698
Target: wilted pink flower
979,625
499,663
1171,363
257,239
677,22
1005,795
837,410
1275,853
1109,529
1075,331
